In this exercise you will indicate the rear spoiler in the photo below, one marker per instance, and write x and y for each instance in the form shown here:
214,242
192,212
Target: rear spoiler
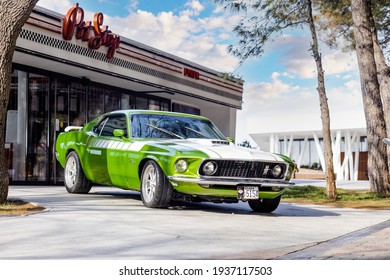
73,128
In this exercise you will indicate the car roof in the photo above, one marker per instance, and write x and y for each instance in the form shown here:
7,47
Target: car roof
154,112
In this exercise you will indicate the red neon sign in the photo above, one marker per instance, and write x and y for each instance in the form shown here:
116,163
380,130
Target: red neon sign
191,73
94,32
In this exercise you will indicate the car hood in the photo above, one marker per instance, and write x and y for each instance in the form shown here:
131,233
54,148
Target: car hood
222,149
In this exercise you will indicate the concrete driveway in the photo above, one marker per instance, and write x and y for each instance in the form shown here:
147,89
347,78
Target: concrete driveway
110,223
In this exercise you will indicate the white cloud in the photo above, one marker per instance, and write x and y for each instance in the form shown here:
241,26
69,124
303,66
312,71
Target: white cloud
132,5
58,6
298,61
278,106
195,7
182,35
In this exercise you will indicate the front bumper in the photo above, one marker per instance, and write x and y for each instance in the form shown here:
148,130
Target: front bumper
205,182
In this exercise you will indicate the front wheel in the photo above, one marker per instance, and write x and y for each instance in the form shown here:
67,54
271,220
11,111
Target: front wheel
75,180
264,205
156,191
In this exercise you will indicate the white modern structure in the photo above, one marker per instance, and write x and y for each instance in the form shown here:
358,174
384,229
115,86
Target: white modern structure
306,148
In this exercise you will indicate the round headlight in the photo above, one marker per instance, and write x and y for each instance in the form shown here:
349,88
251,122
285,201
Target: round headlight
209,168
277,171
181,165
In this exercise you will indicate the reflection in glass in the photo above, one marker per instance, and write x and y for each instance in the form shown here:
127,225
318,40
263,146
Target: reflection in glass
37,146
172,127
95,102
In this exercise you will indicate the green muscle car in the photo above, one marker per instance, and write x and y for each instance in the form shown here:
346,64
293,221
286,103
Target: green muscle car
170,156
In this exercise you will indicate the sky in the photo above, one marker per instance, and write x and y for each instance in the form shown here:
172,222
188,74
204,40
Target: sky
280,92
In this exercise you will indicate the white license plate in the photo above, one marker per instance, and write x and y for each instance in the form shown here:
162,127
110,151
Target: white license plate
247,192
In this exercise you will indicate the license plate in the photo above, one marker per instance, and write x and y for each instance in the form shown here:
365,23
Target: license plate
247,192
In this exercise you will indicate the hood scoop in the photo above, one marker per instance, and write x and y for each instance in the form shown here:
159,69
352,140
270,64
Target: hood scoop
209,142
220,142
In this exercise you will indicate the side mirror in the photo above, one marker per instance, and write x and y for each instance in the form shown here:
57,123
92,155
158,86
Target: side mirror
119,132
230,140
386,141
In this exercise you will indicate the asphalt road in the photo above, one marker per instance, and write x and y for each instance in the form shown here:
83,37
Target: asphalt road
110,223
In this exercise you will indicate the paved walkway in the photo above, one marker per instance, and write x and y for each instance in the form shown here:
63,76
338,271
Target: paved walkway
347,185
113,224
369,243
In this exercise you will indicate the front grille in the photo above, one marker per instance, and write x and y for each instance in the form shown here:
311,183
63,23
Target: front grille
244,169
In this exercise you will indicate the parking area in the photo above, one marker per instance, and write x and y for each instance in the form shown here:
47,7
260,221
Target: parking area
110,223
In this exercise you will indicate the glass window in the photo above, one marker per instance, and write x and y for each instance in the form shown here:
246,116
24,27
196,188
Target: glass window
154,105
16,127
95,102
98,128
112,101
172,127
38,126
165,106
141,103
77,105
112,123
181,108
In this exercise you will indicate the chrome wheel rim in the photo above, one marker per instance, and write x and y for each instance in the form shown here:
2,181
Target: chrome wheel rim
149,182
70,172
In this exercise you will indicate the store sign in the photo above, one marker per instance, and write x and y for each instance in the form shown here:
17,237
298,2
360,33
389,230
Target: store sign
94,32
191,73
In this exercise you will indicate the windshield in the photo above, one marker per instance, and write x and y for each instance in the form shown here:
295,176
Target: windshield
172,127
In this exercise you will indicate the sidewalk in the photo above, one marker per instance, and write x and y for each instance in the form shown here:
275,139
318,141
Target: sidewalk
347,185
78,227
372,243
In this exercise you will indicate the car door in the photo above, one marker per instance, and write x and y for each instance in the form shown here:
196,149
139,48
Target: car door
105,151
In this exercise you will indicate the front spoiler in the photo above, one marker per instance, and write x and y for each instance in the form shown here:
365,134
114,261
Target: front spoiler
206,181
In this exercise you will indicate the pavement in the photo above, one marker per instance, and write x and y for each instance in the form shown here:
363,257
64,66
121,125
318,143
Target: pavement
347,185
368,243
110,223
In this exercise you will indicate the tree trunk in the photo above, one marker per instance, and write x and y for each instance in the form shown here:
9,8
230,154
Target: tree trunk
378,171
384,83
13,14
325,115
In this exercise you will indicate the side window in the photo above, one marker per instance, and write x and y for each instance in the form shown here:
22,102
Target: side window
99,126
114,122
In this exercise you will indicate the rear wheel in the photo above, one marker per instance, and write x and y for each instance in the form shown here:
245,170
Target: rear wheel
75,180
265,205
156,191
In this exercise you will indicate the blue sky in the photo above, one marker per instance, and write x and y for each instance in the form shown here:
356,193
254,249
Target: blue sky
280,87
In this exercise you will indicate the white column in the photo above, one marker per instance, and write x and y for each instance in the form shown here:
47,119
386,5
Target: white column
319,151
290,145
272,143
336,155
302,151
357,154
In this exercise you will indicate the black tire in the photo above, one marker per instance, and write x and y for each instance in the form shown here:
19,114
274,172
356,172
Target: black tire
264,205
156,191
74,178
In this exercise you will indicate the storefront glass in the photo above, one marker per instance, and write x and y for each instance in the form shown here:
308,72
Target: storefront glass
95,102
38,128
42,106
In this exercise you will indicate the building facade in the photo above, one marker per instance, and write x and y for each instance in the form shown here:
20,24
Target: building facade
67,71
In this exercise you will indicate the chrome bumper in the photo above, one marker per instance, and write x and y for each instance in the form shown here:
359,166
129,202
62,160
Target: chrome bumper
205,181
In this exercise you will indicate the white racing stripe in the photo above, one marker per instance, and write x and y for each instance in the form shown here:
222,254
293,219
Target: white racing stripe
204,145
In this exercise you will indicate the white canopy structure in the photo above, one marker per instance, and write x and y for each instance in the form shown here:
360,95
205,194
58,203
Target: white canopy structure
306,148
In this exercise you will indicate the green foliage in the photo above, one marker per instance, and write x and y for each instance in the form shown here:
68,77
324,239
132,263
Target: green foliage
263,20
336,23
246,144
